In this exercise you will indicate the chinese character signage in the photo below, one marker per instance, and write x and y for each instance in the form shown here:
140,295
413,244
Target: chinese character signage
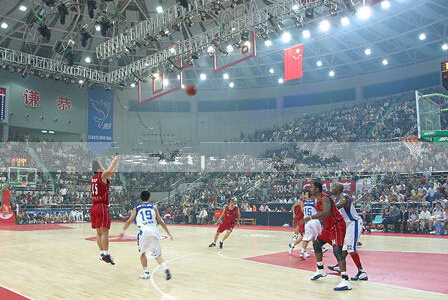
100,119
32,98
64,103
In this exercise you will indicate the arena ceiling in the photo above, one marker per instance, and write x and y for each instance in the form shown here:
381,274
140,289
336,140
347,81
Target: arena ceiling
392,34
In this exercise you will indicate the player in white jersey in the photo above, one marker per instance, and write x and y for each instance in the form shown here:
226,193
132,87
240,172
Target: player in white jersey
312,227
353,228
146,216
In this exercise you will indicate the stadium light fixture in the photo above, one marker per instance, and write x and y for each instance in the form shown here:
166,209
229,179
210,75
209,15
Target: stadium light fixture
364,13
159,9
87,60
295,7
306,33
385,62
345,21
98,27
385,4
81,81
210,49
422,37
445,47
225,76
22,8
203,76
319,63
133,85
268,43
4,25
286,37
271,70
331,73
229,48
367,52
280,81
324,25
231,84
166,82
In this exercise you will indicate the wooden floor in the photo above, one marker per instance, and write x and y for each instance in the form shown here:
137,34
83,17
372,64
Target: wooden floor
62,264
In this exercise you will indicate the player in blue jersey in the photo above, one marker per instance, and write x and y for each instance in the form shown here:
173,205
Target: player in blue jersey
353,228
146,217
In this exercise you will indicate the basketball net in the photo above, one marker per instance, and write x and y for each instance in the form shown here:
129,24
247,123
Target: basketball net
414,145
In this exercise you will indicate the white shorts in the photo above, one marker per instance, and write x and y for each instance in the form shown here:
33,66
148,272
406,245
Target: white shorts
312,229
352,235
148,240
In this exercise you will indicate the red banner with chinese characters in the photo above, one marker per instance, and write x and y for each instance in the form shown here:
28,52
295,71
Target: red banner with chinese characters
349,185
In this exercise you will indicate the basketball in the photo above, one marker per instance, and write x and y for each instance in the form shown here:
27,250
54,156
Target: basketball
191,90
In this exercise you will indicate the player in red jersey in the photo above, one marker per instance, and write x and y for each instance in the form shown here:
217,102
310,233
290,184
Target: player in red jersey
99,212
230,216
333,233
297,215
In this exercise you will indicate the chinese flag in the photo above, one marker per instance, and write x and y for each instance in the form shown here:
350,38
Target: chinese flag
293,59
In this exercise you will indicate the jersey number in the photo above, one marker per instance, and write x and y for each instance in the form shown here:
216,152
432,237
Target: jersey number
146,216
94,188
308,211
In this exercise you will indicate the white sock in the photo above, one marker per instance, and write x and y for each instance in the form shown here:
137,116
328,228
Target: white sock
221,241
303,250
164,266
146,270
320,264
106,252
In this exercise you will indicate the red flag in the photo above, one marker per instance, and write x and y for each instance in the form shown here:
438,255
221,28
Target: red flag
293,59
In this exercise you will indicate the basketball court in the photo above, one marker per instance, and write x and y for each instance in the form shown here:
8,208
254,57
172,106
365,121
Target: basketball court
59,262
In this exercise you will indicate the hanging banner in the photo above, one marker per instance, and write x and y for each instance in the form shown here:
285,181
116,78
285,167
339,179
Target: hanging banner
100,119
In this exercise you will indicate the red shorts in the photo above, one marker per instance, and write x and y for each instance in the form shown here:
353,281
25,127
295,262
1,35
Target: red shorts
301,226
334,235
225,226
100,216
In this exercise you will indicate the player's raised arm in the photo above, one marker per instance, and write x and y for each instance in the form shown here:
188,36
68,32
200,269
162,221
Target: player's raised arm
128,222
326,203
162,223
113,167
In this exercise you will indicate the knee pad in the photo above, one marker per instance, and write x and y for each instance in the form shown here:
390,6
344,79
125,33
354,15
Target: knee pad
317,245
337,251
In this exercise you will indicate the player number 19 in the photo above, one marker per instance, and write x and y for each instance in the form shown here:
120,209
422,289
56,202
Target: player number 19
147,214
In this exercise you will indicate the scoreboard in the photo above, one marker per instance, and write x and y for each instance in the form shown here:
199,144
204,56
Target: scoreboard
2,104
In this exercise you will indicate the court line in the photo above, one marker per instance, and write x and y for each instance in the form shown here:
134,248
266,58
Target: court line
169,261
11,290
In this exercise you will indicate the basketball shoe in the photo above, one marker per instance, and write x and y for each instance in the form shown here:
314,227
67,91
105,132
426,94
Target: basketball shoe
145,275
220,245
290,248
334,268
344,285
212,245
360,276
319,273
304,254
107,259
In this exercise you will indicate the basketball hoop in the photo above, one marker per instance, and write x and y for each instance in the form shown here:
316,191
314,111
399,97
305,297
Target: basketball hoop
23,183
414,145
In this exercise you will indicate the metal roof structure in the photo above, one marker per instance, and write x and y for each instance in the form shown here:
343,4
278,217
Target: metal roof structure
393,34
